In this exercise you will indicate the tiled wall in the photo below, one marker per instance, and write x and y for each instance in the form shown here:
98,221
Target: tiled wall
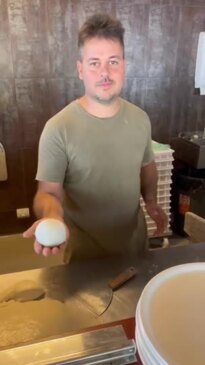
38,48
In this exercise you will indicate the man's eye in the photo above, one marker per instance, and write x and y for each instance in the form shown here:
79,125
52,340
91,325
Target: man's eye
114,62
94,64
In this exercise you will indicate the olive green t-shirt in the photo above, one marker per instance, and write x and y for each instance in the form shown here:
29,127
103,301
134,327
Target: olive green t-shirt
98,161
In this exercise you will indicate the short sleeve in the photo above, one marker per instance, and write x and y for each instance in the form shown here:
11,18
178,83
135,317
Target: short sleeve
52,158
148,153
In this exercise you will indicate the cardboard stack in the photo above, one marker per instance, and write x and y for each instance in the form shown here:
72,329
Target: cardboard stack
164,162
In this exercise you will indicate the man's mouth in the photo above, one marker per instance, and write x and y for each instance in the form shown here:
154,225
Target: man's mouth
104,84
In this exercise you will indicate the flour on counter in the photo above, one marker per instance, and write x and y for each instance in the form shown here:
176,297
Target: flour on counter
24,322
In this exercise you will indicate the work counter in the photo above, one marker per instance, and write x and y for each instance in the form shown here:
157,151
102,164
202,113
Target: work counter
78,284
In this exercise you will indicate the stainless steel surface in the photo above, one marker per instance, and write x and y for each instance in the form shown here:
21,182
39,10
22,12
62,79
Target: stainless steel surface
97,300
65,284
90,285
107,346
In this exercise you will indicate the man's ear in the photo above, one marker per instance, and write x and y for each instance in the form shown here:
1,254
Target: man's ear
79,69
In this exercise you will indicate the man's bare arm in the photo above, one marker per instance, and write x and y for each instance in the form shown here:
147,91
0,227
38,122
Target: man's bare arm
149,179
48,200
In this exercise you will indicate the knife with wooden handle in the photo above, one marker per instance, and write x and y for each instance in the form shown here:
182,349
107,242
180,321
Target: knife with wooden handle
122,278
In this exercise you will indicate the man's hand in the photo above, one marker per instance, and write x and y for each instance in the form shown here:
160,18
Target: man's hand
158,215
38,248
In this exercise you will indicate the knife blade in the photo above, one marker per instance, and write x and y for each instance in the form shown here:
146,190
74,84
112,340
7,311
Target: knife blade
98,299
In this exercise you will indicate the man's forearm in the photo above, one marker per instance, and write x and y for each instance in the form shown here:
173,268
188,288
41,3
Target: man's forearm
149,192
47,205
149,179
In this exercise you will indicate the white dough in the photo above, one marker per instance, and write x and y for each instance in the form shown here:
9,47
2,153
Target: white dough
50,232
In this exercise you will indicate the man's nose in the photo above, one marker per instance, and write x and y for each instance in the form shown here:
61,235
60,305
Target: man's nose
104,70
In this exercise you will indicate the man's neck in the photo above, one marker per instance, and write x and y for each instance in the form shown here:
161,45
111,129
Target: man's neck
98,109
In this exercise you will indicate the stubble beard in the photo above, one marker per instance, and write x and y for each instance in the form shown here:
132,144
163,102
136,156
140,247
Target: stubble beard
109,99
106,101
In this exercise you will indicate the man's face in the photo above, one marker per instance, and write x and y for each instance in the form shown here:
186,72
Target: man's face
102,69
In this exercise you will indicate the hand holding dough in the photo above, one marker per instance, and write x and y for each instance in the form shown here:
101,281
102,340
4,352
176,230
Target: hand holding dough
50,232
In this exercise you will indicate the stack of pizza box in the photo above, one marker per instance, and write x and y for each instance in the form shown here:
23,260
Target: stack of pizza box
164,162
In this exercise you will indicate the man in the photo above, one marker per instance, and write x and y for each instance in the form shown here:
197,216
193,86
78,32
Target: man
95,157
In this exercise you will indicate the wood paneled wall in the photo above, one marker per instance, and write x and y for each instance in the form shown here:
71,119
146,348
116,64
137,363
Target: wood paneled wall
38,49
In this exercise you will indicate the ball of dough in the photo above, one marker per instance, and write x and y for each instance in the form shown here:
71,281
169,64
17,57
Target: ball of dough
50,232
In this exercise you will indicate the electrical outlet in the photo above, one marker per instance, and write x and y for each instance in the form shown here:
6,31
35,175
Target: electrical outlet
23,213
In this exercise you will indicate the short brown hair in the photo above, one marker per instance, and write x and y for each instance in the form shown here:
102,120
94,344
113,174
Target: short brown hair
103,26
